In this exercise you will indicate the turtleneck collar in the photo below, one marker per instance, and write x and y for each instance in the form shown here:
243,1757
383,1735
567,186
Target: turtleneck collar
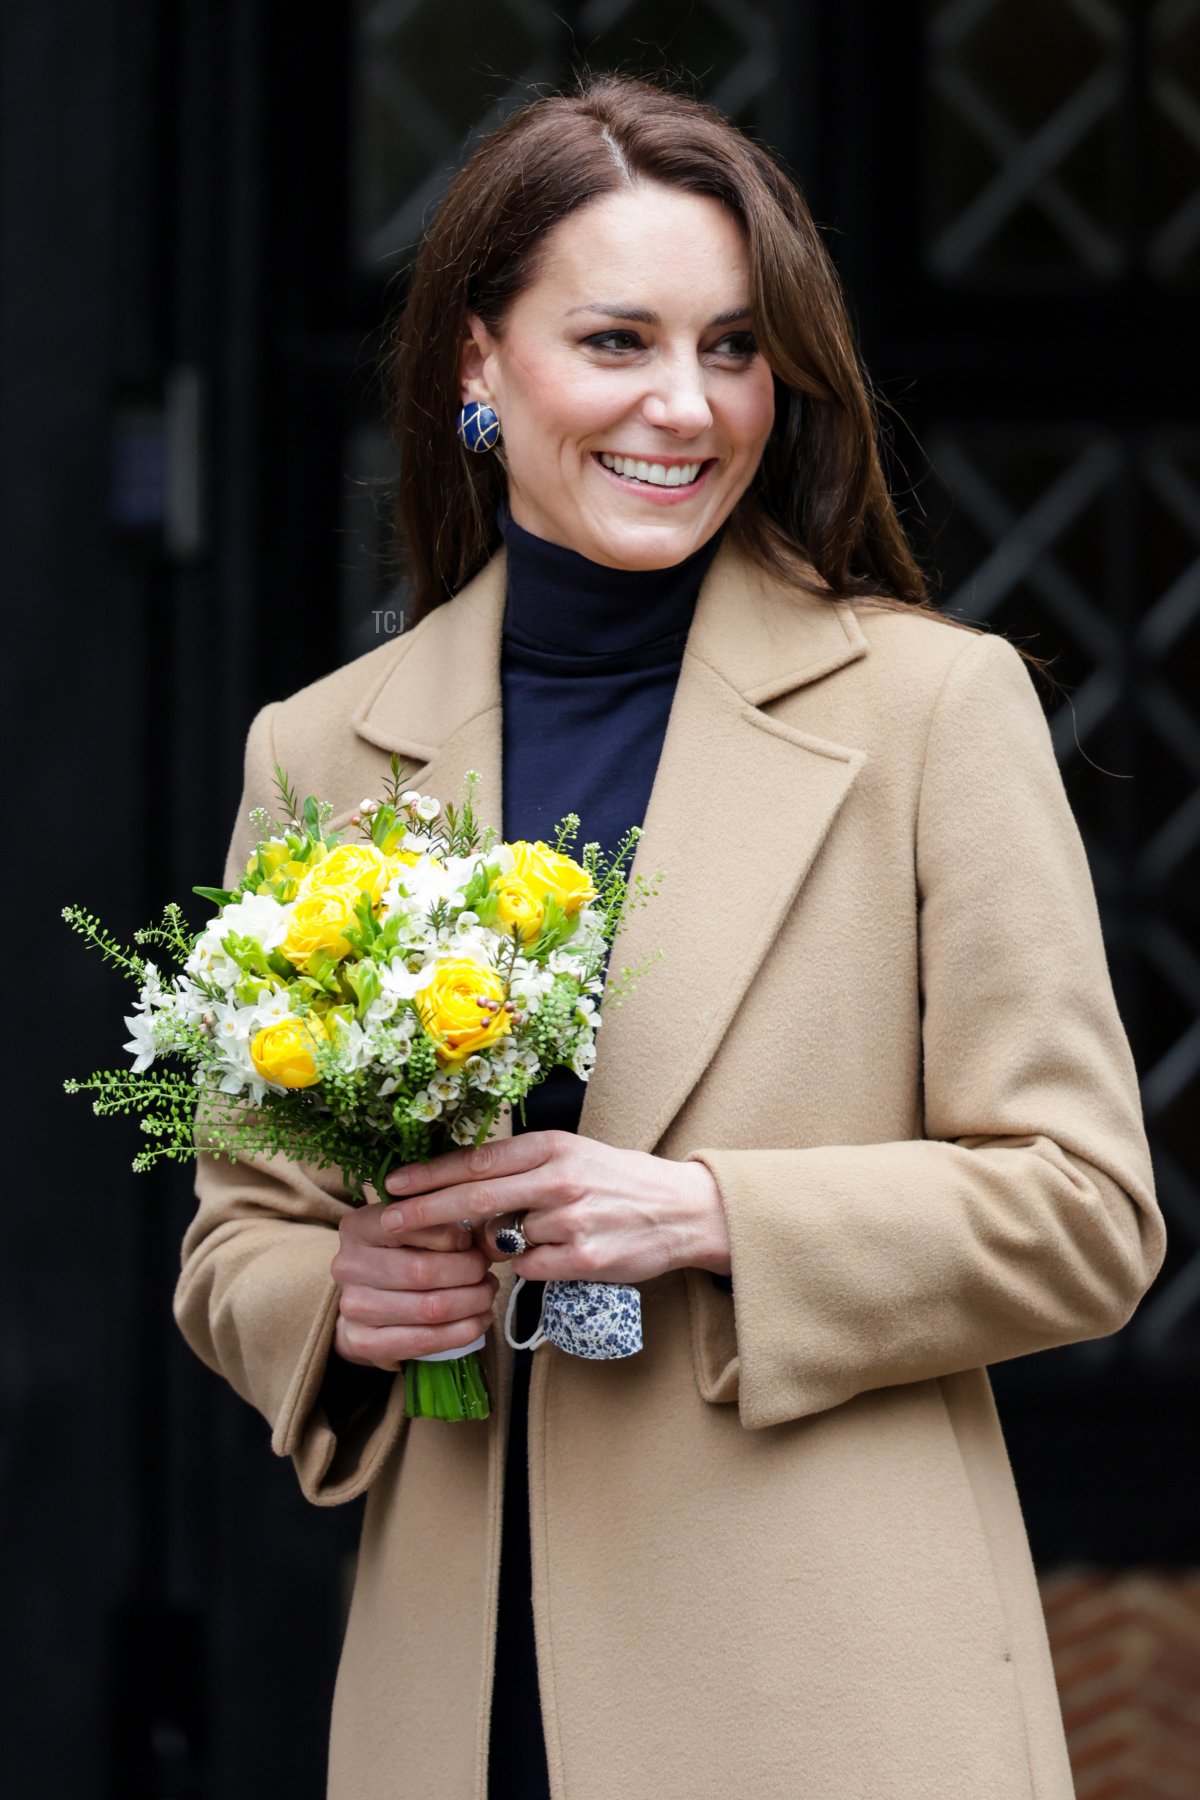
561,601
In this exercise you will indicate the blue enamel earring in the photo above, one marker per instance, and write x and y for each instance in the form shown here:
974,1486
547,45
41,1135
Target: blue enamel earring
478,427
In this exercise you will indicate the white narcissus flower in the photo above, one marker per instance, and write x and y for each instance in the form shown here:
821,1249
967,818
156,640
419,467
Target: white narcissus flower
257,916
462,868
209,962
273,1005
151,993
401,983
238,1080
141,1045
427,884
233,1024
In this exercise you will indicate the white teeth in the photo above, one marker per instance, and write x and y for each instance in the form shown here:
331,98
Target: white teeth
657,474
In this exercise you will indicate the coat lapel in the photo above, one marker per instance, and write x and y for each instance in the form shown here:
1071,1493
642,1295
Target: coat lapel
438,704
741,804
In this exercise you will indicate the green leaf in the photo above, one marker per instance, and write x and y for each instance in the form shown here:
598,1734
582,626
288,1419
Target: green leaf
363,978
322,968
218,896
480,885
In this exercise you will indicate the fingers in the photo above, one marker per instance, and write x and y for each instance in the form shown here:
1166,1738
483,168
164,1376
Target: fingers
570,1262
381,1309
429,1290
387,1347
484,1162
365,1225
434,1237
478,1201
395,1267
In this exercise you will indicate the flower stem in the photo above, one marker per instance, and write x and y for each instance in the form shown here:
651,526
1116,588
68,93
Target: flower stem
454,1389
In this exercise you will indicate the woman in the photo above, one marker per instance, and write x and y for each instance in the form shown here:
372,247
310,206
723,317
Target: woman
869,1124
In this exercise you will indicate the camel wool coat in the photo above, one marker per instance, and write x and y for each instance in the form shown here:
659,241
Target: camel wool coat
778,1554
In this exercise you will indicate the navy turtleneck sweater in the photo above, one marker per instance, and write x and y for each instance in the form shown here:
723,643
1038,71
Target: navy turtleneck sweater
589,662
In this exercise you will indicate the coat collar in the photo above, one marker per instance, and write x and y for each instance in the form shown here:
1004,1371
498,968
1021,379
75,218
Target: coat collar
761,634
741,804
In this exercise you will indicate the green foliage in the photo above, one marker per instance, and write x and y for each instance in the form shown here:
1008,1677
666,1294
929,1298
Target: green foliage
397,777
111,949
287,795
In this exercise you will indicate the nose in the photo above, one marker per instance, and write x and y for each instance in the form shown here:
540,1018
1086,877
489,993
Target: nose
678,401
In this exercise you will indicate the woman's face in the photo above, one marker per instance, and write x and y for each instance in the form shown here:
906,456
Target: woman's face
632,345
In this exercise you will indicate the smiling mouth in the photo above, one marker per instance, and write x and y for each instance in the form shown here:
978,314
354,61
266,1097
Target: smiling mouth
671,475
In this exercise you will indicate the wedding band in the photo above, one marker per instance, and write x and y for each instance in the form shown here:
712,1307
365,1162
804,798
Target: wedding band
511,1239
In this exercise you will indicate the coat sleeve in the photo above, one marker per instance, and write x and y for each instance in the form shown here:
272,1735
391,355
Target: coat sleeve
1025,1216
255,1298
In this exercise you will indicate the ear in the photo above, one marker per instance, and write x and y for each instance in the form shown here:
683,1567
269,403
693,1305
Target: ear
473,360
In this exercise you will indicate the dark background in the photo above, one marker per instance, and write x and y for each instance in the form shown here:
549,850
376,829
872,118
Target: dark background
204,217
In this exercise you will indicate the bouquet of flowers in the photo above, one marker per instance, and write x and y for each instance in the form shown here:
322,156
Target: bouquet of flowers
361,1005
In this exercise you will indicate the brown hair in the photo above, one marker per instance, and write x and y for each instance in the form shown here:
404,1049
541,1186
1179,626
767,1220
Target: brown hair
819,493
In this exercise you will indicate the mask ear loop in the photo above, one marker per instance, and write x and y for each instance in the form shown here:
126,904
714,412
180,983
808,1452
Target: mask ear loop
539,1336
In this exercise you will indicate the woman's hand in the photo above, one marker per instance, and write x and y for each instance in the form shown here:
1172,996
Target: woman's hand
589,1212
407,1293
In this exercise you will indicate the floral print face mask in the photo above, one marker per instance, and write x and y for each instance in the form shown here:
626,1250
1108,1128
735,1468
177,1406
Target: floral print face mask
599,1320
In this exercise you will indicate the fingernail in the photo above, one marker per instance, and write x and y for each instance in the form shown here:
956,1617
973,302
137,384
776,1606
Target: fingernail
393,1218
397,1181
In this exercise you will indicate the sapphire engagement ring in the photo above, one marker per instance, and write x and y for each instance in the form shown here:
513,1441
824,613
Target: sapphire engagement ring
511,1239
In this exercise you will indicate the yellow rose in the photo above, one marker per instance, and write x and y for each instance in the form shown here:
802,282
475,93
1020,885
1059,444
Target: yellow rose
449,1009
518,905
318,922
549,872
358,868
285,1052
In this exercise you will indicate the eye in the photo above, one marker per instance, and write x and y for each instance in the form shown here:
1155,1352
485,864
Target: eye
603,340
742,344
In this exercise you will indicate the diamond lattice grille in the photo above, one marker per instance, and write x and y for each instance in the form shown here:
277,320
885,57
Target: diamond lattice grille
427,78
1063,140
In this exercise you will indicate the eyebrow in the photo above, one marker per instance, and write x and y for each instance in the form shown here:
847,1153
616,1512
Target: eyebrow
642,315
